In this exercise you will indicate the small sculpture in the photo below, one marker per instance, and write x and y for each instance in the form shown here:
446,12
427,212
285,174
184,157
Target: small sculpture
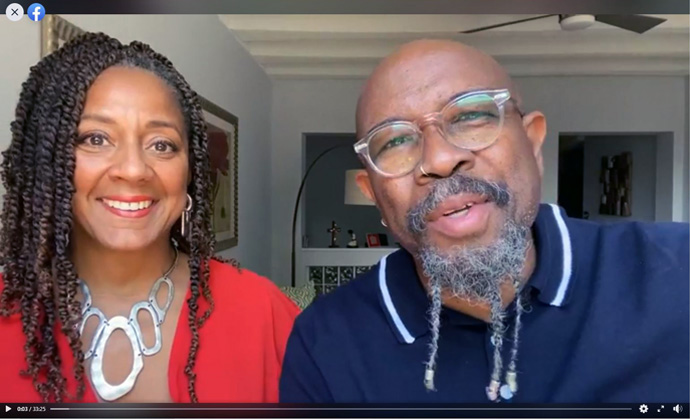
353,240
334,230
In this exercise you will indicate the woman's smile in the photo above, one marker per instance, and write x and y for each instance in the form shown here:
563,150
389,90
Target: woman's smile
129,206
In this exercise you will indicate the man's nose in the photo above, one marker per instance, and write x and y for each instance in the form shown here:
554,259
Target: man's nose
441,158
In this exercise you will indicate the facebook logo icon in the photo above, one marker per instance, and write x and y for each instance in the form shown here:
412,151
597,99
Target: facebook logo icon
36,12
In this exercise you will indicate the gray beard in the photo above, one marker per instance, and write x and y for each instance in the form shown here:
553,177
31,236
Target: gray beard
477,273
472,272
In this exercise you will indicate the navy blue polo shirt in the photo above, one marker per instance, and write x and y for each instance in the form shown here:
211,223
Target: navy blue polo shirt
607,321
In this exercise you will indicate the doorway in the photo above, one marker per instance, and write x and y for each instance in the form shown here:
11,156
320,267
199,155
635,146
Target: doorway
571,160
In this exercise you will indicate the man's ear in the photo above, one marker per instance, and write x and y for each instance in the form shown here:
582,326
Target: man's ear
534,124
364,183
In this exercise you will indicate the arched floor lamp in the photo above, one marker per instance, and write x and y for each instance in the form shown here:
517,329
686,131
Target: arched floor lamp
299,196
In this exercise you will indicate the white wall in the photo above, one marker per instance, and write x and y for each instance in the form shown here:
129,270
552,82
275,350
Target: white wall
14,69
571,104
216,66
643,150
686,181
664,177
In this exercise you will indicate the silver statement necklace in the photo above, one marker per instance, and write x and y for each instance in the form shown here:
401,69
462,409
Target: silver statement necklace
129,325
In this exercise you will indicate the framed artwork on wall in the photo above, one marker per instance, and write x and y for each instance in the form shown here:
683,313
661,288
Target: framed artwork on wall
222,131
55,31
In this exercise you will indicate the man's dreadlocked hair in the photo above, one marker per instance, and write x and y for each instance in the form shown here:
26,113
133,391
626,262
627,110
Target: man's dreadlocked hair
40,282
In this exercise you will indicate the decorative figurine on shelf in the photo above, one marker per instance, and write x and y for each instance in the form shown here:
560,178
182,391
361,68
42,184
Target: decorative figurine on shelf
353,240
334,230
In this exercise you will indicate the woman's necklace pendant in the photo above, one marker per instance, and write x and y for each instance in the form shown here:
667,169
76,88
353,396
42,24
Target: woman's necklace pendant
132,329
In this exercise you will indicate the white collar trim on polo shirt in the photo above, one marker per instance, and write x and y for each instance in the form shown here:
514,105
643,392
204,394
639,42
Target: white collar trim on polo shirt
389,303
567,257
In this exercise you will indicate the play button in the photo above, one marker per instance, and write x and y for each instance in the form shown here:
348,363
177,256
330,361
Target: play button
7,408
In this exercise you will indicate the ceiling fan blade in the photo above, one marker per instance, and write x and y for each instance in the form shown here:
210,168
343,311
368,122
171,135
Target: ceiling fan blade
484,28
635,23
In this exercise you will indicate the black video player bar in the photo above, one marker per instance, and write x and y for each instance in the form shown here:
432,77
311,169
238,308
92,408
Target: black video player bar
651,410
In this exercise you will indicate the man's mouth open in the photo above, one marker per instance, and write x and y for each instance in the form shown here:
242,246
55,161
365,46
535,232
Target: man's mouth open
460,216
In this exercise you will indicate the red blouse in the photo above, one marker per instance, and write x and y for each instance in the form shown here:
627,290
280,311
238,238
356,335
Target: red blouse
241,346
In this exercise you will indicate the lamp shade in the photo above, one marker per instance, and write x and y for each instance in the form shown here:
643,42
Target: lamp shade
353,196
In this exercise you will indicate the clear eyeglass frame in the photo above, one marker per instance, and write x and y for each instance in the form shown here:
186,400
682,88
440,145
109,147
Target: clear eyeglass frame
499,96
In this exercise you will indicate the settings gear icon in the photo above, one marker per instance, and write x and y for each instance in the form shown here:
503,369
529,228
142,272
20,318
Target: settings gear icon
643,408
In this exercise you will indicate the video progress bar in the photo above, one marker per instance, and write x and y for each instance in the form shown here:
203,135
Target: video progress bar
354,408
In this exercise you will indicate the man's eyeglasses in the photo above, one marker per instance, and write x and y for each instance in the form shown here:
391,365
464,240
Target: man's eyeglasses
471,121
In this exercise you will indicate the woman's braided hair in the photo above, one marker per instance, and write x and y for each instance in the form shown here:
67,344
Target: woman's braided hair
40,282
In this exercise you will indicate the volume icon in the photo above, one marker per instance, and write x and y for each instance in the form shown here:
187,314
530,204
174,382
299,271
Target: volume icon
677,408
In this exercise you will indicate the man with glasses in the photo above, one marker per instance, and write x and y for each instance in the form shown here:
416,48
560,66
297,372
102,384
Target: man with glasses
494,296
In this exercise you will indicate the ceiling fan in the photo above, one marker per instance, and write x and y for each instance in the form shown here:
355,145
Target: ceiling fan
634,23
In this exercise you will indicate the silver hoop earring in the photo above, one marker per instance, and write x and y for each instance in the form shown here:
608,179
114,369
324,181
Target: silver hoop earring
421,167
184,222
383,223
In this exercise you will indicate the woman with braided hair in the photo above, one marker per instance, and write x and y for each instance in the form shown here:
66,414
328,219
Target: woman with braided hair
110,291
